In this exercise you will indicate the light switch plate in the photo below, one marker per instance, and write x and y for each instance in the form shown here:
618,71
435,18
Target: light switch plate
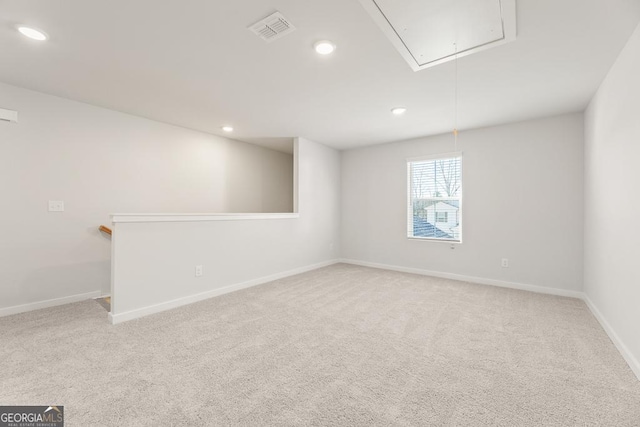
8,115
56,206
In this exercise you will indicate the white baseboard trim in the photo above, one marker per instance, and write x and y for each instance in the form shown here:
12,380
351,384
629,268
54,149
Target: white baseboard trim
633,363
462,278
179,302
8,311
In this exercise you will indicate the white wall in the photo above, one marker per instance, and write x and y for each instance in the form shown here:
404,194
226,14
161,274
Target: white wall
154,262
98,162
612,201
522,200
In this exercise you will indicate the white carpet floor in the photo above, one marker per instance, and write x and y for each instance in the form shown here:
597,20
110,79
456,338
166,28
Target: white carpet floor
343,345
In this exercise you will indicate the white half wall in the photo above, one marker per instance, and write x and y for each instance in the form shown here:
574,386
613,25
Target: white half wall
612,202
522,200
154,262
98,162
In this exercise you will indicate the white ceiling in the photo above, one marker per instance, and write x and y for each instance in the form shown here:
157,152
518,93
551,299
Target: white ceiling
193,63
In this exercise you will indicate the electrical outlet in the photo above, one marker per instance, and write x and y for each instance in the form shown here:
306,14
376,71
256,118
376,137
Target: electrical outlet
56,206
198,271
505,263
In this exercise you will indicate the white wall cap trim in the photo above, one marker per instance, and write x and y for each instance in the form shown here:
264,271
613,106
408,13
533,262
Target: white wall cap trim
195,217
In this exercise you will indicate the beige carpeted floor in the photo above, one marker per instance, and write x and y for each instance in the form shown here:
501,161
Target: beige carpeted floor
342,345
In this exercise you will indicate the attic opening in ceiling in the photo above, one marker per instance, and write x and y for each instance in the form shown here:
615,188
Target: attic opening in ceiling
428,33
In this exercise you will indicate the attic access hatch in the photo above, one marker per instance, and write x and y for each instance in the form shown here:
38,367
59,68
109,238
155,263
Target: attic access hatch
429,32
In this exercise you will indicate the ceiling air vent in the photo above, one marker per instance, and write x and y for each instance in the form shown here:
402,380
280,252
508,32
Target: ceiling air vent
272,27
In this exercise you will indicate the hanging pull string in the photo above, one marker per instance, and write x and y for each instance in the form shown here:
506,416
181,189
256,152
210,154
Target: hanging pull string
455,108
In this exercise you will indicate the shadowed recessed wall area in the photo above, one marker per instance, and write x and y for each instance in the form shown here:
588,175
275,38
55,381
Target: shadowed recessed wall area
101,162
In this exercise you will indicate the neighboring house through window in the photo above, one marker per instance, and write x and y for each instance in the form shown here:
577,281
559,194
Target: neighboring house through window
441,216
435,197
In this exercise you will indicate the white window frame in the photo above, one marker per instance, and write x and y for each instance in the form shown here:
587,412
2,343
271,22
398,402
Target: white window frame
409,203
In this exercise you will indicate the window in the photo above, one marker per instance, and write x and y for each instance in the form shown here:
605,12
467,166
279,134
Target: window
435,197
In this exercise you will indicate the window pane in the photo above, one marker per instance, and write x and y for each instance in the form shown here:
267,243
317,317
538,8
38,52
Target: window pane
437,178
435,193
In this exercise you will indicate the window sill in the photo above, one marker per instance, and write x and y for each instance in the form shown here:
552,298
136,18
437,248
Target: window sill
426,239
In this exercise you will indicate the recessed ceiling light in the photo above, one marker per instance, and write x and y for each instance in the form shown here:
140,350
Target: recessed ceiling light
227,128
324,47
32,33
398,111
